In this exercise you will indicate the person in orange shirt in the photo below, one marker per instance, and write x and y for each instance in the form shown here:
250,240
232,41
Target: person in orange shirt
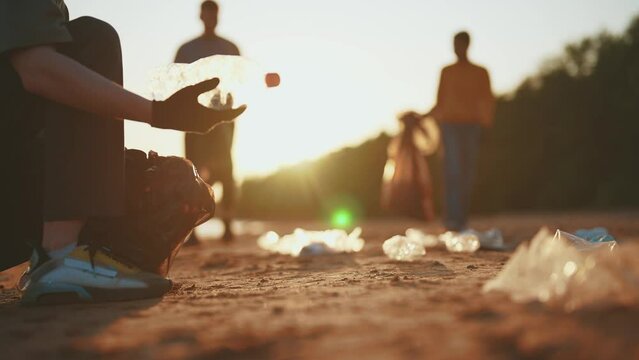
465,104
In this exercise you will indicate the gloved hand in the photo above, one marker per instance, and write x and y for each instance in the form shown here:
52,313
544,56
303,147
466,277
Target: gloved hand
183,112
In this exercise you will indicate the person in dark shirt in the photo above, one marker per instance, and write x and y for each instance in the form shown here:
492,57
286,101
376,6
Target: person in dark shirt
62,110
211,152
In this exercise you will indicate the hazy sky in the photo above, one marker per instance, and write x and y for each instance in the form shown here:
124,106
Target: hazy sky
347,66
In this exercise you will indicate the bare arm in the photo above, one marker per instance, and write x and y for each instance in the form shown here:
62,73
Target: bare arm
440,96
488,101
56,77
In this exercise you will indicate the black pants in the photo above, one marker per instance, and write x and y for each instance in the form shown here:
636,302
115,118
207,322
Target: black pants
67,164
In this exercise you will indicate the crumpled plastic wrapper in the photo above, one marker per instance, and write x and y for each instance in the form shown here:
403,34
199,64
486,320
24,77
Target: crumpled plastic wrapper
403,248
427,240
570,272
414,244
307,243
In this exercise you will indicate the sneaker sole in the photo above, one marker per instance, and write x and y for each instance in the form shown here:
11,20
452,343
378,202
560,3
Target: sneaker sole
48,294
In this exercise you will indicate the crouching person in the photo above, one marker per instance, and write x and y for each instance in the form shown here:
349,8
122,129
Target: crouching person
71,206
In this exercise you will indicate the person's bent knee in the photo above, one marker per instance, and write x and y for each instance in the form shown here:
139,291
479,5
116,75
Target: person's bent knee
96,44
96,30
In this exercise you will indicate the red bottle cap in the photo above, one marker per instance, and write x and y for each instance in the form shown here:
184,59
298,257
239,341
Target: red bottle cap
272,79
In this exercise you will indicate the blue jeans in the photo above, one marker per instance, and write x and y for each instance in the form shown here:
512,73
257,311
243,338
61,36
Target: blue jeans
461,147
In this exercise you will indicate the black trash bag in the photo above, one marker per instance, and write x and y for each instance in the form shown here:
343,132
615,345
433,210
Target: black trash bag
165,200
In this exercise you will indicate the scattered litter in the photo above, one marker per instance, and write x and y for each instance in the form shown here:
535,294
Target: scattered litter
427,240
305,243
585,244
412,246
315,249
460,242
568,271
491,239
404,248
598,234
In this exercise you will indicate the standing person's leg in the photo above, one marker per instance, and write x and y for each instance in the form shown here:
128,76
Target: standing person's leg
84,153
193,152
453,181
228,201
470,137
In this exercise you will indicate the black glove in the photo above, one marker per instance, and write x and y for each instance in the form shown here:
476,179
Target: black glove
183,112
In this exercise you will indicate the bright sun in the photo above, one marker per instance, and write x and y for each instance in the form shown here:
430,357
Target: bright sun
319,107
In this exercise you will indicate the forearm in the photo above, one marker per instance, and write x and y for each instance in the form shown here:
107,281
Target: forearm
56,77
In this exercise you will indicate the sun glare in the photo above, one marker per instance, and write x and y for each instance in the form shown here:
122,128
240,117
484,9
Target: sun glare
319,106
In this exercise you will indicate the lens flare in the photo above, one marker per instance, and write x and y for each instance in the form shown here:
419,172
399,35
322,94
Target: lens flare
342,218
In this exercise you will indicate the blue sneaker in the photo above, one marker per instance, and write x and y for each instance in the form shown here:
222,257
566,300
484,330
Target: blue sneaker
79,277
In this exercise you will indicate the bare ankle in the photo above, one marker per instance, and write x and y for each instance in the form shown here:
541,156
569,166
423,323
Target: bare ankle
58,234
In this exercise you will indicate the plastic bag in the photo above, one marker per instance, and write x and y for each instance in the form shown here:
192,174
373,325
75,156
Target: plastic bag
165,200
569,272
407,187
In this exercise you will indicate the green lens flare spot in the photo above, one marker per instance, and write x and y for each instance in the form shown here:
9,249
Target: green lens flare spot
342,218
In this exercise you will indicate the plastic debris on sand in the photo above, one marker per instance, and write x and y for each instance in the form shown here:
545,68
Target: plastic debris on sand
570,272
414,243
404,248
427,240
307,243
491,239
460,242
598,234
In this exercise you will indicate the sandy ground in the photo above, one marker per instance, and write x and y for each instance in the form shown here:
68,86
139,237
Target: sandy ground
239,302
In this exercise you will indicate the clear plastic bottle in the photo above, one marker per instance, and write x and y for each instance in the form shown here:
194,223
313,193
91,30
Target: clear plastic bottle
241,80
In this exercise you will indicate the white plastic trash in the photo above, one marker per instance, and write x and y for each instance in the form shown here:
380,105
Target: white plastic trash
403,248
304,242
461,242
570,272
427,240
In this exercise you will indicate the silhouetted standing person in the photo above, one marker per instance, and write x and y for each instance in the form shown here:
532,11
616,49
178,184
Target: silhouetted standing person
465,104
211,152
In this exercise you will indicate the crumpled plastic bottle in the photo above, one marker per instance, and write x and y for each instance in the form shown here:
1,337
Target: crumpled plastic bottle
427,240
460,242
240,80
403,248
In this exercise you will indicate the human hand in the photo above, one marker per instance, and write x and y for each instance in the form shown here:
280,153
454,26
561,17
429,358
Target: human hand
204,173
410,117
183,112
